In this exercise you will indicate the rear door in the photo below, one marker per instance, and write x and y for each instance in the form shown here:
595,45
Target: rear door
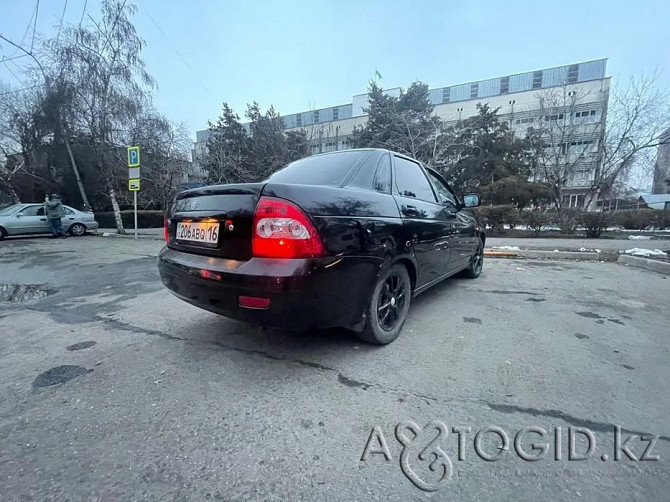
426,224
69,218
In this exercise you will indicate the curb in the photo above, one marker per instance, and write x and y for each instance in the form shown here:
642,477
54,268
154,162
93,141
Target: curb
500,254
652,265
129,235
564,255
534,254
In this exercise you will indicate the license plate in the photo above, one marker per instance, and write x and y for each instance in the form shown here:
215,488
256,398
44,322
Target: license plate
207,233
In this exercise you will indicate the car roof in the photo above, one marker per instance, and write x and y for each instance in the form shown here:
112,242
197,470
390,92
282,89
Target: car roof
385,150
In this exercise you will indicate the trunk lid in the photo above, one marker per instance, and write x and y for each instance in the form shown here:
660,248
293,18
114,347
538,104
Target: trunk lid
223,212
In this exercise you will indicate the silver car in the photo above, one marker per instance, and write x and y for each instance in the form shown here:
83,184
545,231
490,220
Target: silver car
22,219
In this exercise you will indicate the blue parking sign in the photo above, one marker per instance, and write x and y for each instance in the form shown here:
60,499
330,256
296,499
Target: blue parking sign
133,156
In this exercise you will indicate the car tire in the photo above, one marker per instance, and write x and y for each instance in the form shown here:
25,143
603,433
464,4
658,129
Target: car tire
474,269
388,307
77,230
3,233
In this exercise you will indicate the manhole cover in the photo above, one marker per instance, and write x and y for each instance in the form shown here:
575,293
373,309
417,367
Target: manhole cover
59,374
19,293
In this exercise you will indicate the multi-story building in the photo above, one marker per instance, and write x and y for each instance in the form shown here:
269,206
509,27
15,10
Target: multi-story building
570,102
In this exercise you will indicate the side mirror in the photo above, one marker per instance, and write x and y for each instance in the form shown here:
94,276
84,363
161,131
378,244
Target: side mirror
18,215
471,200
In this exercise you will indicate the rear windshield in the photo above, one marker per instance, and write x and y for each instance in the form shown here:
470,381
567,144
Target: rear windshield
329,169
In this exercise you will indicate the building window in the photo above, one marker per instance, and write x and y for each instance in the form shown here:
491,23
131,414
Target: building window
446,94
298,120
316,116
474,90
504,85
336,113
554,117
315,148
537,79
527,120
345,144
585,117
573,71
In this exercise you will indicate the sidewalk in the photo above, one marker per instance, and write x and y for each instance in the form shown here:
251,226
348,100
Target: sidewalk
549,244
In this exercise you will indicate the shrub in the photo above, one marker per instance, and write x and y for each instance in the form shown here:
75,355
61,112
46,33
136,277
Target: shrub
145,219
594,223
536,219
663,219
495,217
567,220
636,219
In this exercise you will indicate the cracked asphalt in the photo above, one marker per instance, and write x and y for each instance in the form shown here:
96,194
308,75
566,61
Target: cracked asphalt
112,389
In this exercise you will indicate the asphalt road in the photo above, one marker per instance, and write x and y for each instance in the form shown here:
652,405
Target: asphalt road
161,401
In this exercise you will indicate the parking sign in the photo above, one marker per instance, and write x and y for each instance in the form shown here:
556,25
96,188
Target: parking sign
133,156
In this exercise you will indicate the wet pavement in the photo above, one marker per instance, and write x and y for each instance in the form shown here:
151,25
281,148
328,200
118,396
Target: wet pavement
112,389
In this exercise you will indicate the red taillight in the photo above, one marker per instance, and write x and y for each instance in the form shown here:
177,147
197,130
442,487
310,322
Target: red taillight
253,302
166,229
282,230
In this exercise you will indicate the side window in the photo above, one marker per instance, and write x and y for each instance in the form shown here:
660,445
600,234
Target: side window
446,196
30,211
411,182
382,180
40,211
69,211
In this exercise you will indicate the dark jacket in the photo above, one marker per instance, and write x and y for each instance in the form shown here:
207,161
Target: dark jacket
54,209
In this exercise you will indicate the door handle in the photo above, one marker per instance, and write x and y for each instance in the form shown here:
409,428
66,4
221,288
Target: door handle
43,219
409,210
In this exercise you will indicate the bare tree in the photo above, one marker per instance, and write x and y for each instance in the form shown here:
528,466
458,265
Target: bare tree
565,140
103,80
9,143
638,115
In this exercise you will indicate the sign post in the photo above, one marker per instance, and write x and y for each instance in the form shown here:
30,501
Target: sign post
134,176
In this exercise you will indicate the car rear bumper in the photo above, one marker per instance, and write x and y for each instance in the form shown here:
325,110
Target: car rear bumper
92,225
304,293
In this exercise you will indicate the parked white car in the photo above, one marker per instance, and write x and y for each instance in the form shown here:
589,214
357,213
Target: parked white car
23,219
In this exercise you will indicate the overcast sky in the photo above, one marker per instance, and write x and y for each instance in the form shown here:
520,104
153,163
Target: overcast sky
299,55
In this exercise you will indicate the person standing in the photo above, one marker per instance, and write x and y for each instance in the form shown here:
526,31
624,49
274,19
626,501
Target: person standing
53,207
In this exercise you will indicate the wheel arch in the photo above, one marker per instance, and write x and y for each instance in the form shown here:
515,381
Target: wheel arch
411,270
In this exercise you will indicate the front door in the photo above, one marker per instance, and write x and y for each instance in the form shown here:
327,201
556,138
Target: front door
31,220
427,226
463,225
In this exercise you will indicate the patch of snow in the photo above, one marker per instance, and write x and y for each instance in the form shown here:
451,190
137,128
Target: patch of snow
639,237
645,252
506,248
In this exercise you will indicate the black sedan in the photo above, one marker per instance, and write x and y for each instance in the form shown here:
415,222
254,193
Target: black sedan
339,239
